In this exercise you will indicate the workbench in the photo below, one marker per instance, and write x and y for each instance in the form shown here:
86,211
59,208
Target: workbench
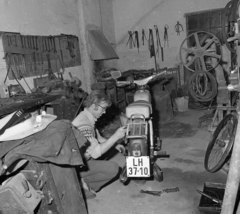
62,192
28,101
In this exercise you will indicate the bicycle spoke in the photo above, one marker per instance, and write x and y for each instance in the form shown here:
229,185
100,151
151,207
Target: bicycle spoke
220,146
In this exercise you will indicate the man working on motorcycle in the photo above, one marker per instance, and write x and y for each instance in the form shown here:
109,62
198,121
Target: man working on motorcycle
98,172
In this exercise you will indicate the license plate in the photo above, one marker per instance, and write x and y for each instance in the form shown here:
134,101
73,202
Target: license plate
138,166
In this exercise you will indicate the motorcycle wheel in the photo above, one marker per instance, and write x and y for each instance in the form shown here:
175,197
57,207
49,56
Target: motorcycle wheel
157,173
219,148
123,176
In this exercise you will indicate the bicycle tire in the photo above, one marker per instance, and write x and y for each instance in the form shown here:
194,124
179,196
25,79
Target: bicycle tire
219,148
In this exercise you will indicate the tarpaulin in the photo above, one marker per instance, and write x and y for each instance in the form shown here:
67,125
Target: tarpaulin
59,143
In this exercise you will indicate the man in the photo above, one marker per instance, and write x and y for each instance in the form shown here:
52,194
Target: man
99,172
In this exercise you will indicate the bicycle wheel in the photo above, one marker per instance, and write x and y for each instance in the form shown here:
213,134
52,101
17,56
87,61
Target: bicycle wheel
220,146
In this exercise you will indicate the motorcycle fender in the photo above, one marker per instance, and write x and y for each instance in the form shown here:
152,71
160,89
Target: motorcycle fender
138,144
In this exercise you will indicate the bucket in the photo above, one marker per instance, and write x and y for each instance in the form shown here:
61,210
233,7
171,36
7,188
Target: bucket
182,103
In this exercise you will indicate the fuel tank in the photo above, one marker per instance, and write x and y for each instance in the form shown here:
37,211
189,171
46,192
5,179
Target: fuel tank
142,95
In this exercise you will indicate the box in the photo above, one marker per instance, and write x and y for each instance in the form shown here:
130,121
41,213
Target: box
4,93
17,196
40,81
216,190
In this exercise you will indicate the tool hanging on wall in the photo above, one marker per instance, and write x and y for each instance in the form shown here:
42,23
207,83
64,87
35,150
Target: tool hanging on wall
30,48
178,28
136,40
165,38
143,36
151,44
130,41
158,43
151,47
9,60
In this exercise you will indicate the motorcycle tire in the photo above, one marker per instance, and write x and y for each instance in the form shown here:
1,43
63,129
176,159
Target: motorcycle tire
219,148
123,176
157,173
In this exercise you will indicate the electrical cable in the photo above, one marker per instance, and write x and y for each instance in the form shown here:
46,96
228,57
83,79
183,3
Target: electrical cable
193,87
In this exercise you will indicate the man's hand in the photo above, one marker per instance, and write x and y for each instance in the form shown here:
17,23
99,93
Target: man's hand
93,141
89,151
120,133
120,148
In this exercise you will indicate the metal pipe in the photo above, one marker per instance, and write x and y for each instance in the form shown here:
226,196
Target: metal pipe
151,133
233,178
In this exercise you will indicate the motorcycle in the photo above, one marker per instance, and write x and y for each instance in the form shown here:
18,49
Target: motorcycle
143,146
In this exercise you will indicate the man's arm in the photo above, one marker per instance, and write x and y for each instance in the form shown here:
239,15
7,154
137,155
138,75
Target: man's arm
108,143
100,138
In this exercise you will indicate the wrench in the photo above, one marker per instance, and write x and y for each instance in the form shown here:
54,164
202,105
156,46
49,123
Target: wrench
155,193
159,193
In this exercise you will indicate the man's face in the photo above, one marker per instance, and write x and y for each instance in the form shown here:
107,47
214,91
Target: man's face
98,109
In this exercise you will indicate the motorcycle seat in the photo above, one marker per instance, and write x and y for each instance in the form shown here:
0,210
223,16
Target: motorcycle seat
140,107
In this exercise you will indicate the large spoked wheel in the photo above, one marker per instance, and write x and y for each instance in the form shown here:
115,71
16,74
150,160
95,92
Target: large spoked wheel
198,50
219,148
202,86
228,29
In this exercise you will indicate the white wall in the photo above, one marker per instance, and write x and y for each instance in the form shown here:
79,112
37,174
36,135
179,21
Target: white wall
39,17
54,17
114,17
135,15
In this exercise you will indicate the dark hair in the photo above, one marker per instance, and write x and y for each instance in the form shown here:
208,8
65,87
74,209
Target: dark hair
97,96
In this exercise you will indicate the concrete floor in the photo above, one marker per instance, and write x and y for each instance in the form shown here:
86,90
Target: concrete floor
186,144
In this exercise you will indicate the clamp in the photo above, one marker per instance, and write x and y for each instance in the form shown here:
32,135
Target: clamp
143,36
158,43
131,40
178,28
165,38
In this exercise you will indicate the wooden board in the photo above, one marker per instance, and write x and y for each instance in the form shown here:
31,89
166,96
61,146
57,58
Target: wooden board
27,56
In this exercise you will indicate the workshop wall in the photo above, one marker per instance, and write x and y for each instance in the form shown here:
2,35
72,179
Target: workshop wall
136,15
55,17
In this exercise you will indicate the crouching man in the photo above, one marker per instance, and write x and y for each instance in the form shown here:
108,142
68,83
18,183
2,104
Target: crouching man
98,172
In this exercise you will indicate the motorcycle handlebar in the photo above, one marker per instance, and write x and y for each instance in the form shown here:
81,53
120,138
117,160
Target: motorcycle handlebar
123,83
142,81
